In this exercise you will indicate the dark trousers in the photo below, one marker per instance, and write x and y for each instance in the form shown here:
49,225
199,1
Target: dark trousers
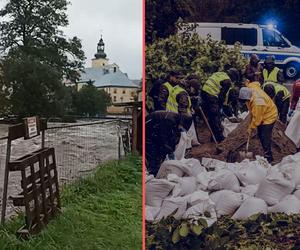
283,110
211,109
154,158
265,136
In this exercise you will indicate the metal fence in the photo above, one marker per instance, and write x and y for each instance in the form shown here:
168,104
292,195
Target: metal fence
79,149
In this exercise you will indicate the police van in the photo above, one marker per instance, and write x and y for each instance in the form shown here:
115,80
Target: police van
262,40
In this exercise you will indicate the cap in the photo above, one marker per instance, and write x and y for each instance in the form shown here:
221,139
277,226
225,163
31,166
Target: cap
245,93
270,59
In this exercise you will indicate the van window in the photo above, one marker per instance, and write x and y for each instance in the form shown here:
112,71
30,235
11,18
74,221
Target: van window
242,35
273,39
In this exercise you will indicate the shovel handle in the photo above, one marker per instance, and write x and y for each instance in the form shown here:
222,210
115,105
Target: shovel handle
247,145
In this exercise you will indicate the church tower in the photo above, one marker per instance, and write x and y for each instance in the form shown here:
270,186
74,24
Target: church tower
100,59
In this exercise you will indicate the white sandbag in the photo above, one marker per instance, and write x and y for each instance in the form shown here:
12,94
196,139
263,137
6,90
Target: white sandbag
250,173
297,194
173,167
181,146
226,201
203,179
274,187
149,177
185,186
212,164
193,136
250,207
171,204
199,211
228,127
290,204
151,213
157,190
198,197
224,179
293,129
290,167
249,190
195,166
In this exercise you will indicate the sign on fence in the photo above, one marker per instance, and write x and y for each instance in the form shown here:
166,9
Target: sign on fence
31,127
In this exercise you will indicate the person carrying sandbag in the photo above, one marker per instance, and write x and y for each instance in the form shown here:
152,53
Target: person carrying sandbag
263,115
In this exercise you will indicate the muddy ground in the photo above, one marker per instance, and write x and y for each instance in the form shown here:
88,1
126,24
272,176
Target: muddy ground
78,151
236,142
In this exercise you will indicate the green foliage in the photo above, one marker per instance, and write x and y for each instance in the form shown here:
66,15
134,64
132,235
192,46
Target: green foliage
190,55
103,211
260,231
91,101
37,57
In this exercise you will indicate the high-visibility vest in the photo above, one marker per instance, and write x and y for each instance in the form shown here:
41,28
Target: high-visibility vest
278,88
168,86
213,85
272,77
172,104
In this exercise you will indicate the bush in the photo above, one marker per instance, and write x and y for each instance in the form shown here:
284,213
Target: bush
190,54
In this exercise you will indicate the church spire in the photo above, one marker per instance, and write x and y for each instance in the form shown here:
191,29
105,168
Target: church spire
100,49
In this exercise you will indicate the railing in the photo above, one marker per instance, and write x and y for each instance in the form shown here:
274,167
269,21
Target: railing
79,149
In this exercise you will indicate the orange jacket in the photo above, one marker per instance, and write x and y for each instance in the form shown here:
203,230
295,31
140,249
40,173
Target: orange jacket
261,107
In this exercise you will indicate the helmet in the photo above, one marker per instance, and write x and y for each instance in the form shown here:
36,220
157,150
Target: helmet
270,59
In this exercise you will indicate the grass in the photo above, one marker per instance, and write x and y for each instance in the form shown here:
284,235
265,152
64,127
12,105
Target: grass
103,211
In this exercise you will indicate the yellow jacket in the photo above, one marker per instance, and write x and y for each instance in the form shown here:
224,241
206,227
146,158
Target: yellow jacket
262,108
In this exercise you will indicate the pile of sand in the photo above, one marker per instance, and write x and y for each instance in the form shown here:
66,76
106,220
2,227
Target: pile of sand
236,141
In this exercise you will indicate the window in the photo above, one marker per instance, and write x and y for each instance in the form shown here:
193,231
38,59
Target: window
273,39
124,91
115,91
246,37
121,98
115,69
115,98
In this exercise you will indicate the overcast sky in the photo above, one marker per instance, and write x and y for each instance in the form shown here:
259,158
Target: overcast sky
119,21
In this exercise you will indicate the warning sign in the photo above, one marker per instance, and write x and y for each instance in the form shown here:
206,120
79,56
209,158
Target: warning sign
31,127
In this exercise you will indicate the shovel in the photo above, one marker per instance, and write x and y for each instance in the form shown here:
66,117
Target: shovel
246,154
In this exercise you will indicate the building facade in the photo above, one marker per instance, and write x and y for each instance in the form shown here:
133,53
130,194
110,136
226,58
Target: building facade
111,79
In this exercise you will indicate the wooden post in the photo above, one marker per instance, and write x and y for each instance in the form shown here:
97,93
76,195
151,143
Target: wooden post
119,140
5,185
134,127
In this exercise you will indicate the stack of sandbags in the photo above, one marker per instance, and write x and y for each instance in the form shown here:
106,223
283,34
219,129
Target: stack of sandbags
293,129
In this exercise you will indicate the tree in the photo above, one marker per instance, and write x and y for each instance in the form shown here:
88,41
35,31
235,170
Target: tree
91,101
37,56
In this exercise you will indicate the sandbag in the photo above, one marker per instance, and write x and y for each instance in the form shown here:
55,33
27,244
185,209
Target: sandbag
198,197
181,146
195,166
249,190
203,180
151,213
171,204
173,167
224,179
228,127
249,173
192,136
226,201
274,187
290,167
293,129
157,190
297,194
250,207
290,204
184,186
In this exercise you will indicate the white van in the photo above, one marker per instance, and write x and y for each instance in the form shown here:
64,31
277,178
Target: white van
262,40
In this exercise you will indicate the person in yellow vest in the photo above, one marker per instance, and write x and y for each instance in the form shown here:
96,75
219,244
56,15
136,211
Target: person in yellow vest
213,96
179,100
281,96
166,88
263,115
272,73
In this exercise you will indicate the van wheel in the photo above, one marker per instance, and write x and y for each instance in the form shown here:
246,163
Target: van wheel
292,70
